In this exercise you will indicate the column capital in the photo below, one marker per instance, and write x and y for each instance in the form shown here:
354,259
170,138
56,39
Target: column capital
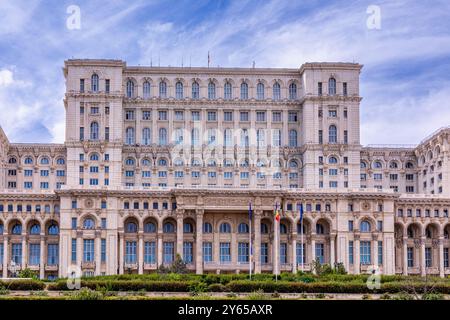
199,213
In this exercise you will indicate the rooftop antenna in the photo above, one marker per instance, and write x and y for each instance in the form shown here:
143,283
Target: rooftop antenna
182,62
254,64
151,60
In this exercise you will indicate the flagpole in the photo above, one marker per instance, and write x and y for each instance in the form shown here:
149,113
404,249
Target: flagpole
250,240
301,240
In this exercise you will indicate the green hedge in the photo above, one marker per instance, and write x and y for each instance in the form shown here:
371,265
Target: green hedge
132,285
19,285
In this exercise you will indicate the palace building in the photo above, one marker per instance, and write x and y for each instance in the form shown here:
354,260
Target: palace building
159,161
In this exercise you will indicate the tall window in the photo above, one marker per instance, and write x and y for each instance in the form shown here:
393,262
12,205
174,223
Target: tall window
350,252
292,91
146,136
243,252
207,252
410,256
332,134
260,91
228,138
16,252
168,252
150,252
292,138
365,252
52,254
365,226
94,82
332,86
244,138
162,136
34,254
264,253
188,252
260,137
195,90
225,252
320,252
130,89
94,131
129,136
276,137
162,89
130,252
179,90
211,91
178,136
428,257
301,259
244,91
146,90
195,137
276,91
227,91
88,250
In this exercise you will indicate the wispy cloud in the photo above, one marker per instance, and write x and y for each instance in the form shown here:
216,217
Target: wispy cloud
404,80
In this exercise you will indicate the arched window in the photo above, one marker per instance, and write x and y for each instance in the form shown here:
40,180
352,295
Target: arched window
211,91
299,228
188,228
88,224
162,136
149,227
363,165
17,229
260,91
264,228
60,161
129,139
195,90
212,163
227,162
28,160
332,86
130,89
129,162
364,226
195,137
332,160
292,91
146,90
244,163
292,138
131,227
293,164
178,162
162,89
12,160
93,157
168,227
410,232
1,228
227,91
429,233
244,91
162,162
53,230
243,228
146,136
332,134
393,165
94,131
276,91
45,160
320,228
179,90
377,165
283,228
409,165
196,163
145,162
207,227
35,229
225,228
94,83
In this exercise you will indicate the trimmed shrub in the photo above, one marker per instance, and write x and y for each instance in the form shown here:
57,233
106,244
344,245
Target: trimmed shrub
132,285
217,287
23,285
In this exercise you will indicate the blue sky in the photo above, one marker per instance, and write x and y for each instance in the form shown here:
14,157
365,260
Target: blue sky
405,81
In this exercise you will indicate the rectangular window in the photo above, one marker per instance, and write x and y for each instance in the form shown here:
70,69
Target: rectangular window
276,116
195,115
16,253
34,254
74,250
207,252
319,88
162,115
81,133
428,257
320,136
60,173
283,253
380,225
103,250
344,88
410,255
332,113
103,223
225,252
292,116
264,253
52,254
129,115
446,265
244,175
28,185
365,252
107,85
320,252
74,223
228,175
168,252
350,225
81,85
146,174
244,116
130,252
93,182
107,133
147,115
301,258
350,252
93,169
260,116
150,252
88,250
212,116
380,252
345,136
243,252
44,185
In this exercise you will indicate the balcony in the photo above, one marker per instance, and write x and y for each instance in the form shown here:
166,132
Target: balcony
51,267
88,265
150,266
33,267
413,270
130,266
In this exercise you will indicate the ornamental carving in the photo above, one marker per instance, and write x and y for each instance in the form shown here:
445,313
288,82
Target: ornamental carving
365,206
89,203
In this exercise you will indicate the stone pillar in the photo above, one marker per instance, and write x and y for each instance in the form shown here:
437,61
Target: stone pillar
141,253
375,251
5,256
356,267
24,251
160,246
294,252
405,256
441,257
121,253
98,253
332,250
180,233
423,268
257,241
79,249
41,257
199,243
313,250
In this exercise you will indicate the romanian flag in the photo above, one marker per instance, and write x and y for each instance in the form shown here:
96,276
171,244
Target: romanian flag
277,213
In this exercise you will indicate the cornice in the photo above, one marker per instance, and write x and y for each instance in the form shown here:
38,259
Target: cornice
204,102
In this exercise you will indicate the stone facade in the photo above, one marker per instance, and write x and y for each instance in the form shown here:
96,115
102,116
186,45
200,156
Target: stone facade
160,160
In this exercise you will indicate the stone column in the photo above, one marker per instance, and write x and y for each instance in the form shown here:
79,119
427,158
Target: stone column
294,252
356,267
41,257
24,251
313,250
180,233
98,253
405,256
141,253
441,257
160,247
375,251
423,268
199,243
5,256
257,240
332,250
121,253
